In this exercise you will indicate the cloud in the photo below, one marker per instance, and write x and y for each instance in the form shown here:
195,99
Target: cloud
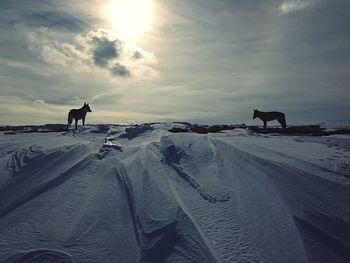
96,51
105,50
138,54
39,102
289,6
57,15
120,70
55,20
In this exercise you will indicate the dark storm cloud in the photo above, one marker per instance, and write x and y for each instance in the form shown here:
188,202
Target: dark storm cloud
112,53
105,50
138,55
120,70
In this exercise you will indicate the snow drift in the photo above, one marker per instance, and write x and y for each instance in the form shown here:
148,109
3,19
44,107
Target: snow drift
110,193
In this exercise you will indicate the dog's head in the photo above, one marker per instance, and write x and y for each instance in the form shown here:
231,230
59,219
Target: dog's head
87,107
255,114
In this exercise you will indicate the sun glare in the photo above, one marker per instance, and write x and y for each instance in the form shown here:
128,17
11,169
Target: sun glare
130,17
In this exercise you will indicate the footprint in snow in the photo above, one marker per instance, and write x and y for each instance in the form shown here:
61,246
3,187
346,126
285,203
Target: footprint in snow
92,168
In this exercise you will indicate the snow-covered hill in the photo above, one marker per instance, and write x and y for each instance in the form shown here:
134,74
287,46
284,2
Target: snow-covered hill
110,193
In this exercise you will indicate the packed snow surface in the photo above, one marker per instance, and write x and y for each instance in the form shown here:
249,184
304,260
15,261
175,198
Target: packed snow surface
109,193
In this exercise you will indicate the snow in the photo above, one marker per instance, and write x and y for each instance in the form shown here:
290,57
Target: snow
138,193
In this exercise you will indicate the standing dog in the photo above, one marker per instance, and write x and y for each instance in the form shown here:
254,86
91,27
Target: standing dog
270,116
78,114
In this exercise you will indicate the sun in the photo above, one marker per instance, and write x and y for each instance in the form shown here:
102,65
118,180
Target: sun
130,17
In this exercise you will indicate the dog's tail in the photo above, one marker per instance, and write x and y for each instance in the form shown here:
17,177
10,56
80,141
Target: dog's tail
70,119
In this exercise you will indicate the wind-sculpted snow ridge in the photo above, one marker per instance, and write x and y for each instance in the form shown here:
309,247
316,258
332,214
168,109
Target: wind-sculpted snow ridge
163,229
118,193
20,158
181,161
40,255
38,176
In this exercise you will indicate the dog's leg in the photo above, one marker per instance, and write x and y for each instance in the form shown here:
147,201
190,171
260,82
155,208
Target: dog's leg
83,121
76,124
283,123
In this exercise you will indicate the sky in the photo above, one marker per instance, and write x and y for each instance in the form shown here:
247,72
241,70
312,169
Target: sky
202,61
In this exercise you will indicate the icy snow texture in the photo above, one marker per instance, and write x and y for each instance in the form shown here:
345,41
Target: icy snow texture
111,193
